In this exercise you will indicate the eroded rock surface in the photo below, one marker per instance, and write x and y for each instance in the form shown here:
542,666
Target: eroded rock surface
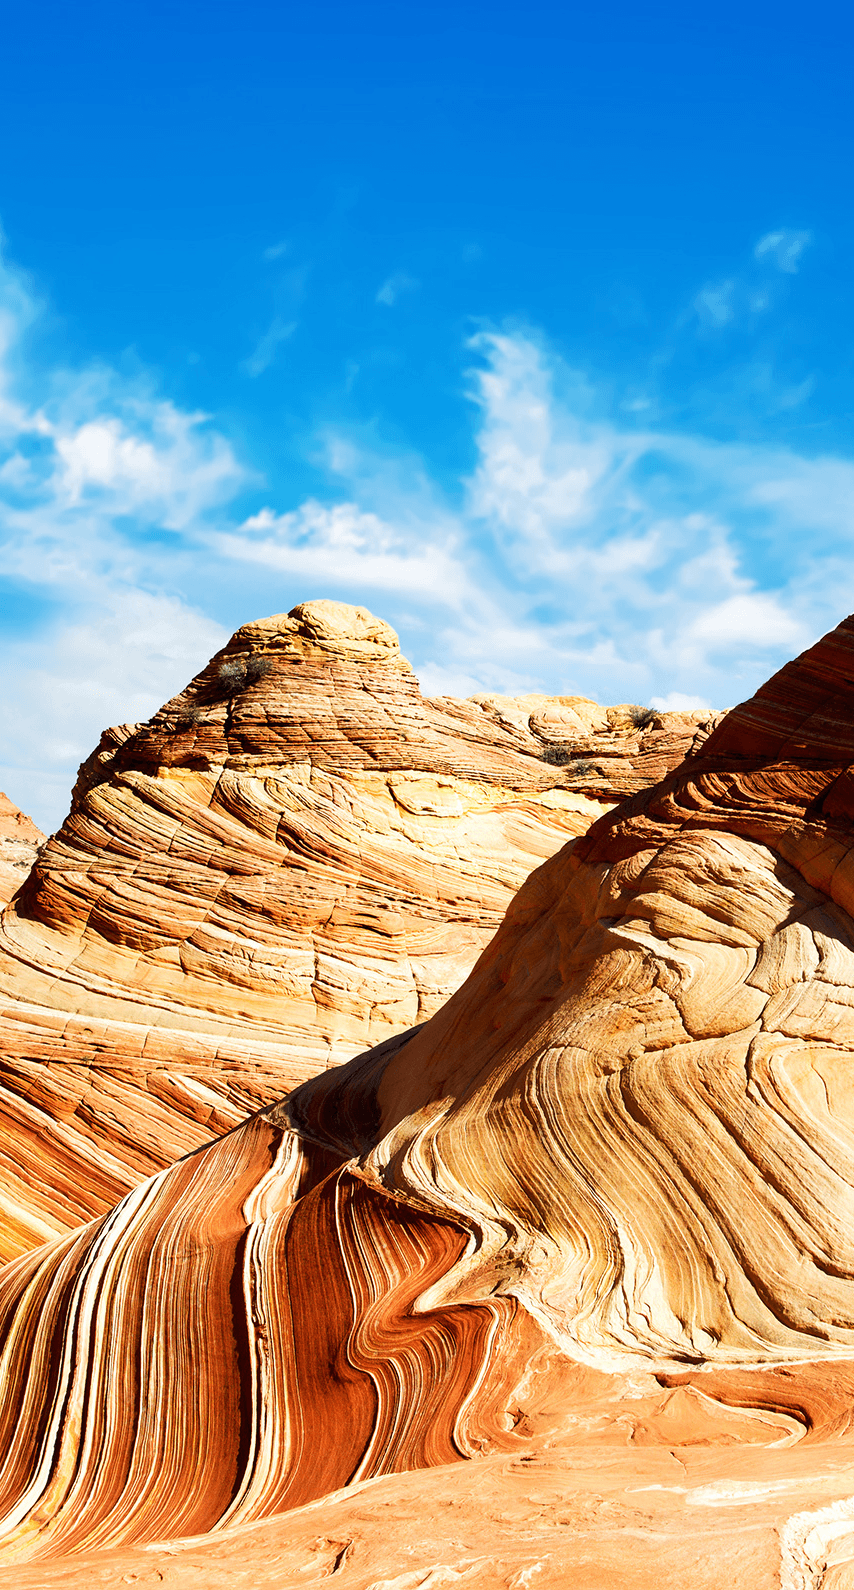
295,858
20,842
646,1484
602,1199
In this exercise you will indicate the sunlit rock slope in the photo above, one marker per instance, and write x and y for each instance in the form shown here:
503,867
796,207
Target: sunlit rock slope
295,858
20,841
603,1198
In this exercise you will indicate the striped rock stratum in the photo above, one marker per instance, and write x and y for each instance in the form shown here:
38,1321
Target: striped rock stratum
297,857
589,1227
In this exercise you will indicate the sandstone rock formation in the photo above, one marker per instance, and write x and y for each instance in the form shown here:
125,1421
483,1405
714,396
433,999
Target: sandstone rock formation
648,1485
601,1200
20,842
295,858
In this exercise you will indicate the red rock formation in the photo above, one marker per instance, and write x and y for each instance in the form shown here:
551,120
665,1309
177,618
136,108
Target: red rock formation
295,858
20,841
607,1187
646,1484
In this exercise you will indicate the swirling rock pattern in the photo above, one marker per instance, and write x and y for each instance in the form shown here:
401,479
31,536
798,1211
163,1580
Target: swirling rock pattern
225,1345
606,1189
295,858
646,1484
663,1029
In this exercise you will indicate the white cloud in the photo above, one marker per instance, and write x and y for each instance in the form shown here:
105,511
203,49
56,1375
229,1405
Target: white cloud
87,474
344,547
276,250
584,556
115,663
540,467
394,286
676,701
277,332
784,248
583,553
749,619
608,521
169,466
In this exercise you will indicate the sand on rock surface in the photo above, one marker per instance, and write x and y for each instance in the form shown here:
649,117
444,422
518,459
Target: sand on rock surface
654,1485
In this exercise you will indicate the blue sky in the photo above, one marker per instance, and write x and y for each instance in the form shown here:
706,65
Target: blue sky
529,327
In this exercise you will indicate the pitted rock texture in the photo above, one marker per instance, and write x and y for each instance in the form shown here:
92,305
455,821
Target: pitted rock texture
20,842
603,1198
295,858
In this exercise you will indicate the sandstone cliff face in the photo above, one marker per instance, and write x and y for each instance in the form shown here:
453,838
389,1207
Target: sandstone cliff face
605,1191
20,842
295,858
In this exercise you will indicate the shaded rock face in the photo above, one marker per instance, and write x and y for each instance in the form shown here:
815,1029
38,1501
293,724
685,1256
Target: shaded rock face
20,842
602,1200
295,858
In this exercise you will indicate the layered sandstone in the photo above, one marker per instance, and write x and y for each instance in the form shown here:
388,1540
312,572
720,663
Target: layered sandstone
644,1484
296,857
600,1203
20,842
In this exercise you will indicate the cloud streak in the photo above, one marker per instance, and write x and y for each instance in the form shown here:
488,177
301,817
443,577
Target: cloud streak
784,248
582,553
267,347
394,287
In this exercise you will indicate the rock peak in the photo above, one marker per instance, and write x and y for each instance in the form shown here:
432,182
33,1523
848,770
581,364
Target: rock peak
333,621
335,626
299,855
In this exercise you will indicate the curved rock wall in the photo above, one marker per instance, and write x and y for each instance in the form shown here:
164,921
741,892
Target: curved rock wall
225,1345
641,1096
626,1143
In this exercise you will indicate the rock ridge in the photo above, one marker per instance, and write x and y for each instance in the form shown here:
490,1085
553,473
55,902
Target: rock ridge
594,1216
296,857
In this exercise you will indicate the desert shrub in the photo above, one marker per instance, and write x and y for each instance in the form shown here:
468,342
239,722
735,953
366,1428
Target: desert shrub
641,717
560,756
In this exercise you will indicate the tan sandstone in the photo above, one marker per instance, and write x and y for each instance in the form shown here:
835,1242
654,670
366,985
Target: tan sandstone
20,842
557,1288
295,858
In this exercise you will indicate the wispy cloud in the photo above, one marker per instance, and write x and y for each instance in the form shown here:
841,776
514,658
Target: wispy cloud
394,287
584,552
276,250
677,701
89,473
714,303
351,548
277,332
756,288
584,556
784,249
